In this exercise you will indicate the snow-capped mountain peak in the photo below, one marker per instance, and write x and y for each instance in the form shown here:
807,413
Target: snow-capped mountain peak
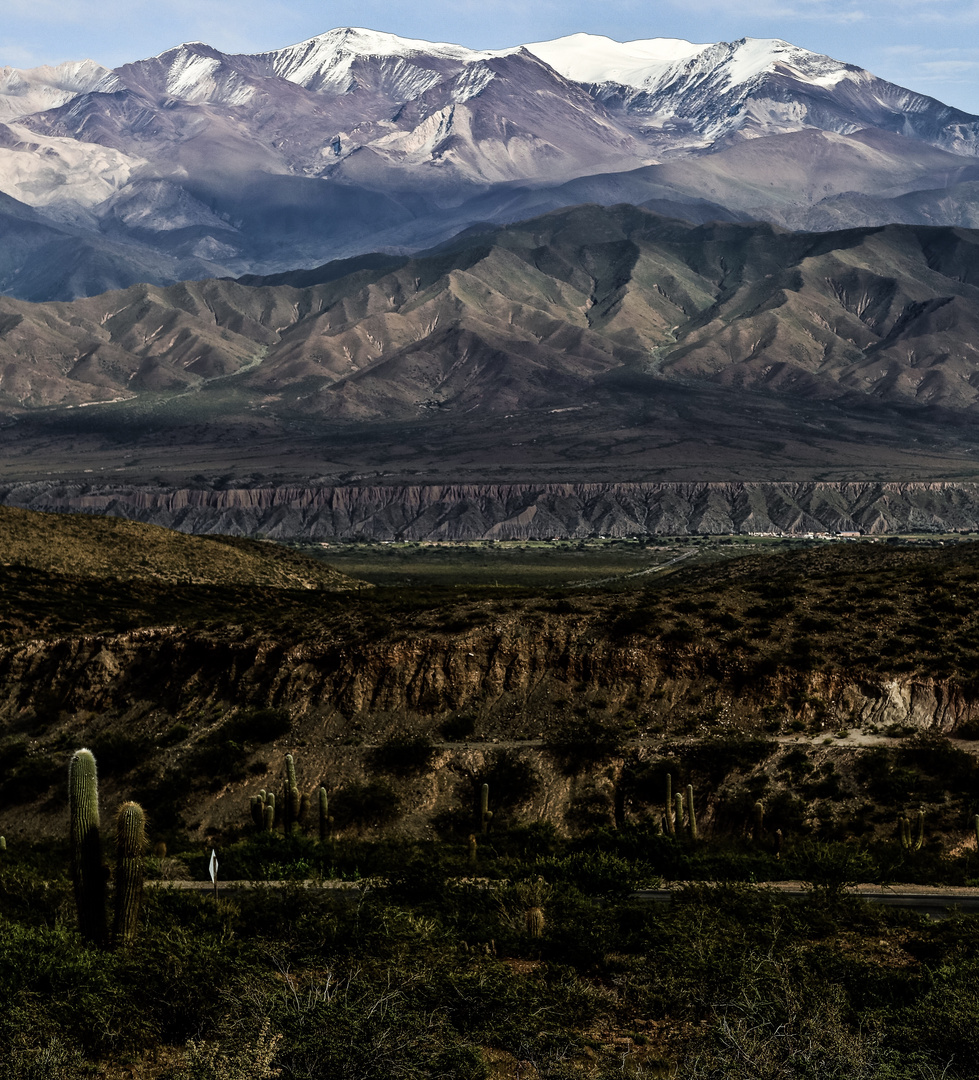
651,64
591,58
355,139
325,62
751,57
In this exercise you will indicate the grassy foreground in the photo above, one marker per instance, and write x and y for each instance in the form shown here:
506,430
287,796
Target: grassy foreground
533,964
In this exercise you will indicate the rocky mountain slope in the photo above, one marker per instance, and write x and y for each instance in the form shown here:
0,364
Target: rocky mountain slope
195,162
582,305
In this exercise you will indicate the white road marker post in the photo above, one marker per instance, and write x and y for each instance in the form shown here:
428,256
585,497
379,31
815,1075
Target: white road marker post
213,868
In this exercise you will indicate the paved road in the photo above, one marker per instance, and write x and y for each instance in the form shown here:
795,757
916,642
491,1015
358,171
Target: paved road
928,899
924,898
632,574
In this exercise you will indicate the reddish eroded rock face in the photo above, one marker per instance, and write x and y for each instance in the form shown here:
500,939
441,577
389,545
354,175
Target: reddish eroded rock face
516,511
511,678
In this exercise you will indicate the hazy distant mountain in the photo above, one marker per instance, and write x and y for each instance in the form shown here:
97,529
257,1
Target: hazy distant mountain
197,162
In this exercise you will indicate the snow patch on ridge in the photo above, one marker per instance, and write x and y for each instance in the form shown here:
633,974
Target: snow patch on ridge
752,57
196,74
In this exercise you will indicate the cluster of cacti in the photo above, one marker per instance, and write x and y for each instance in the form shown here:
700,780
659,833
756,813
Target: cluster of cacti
485,814
691,816
88,871
263,810
291,799
911,839
293,808
676,804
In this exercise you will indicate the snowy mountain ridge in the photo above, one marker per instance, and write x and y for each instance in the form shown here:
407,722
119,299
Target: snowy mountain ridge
324,64
197,162
655,63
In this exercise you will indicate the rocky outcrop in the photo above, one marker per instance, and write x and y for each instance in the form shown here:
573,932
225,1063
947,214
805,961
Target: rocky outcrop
514,675
509,682
521,511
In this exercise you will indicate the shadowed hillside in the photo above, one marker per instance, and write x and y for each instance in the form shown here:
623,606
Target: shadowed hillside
72,548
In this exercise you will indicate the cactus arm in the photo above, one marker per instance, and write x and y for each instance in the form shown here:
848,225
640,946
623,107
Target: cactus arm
287,804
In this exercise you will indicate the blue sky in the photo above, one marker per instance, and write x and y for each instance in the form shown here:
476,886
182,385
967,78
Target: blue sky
928,45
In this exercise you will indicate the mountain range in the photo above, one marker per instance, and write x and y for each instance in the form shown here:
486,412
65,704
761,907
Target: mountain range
532,315
591,343
198,163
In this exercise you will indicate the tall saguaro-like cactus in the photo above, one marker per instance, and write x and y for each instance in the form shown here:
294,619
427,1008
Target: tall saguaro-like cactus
911,839
292,800
130,845
485,814
691,816
87,870
325,819
668,818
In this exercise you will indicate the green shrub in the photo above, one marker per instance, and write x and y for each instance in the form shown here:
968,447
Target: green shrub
578,744
258,725
177,733
118,753
402,755
360,804
53,1061
459,727
512,780
236,1057
30,777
